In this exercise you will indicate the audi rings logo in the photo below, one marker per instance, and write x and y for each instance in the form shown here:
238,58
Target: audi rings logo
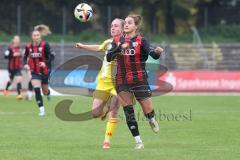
129,52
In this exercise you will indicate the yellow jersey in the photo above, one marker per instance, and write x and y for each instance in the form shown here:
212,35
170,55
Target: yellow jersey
105,84
105,73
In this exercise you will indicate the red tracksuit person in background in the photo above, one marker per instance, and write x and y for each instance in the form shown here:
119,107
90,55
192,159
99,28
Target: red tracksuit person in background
14,55
38,59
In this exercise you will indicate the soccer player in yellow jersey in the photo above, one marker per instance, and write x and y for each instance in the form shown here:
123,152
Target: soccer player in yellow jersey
105,90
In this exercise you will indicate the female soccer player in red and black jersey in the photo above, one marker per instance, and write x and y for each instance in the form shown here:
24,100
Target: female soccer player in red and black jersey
131,51
44,31
14,55
38,59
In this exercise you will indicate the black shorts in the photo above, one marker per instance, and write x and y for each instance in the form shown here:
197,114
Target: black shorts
43,78
140,90
15,72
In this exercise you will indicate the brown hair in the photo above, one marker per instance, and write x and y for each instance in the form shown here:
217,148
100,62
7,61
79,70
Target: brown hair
137,19
43,29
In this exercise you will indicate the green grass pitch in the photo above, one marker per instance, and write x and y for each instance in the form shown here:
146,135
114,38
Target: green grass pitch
194,128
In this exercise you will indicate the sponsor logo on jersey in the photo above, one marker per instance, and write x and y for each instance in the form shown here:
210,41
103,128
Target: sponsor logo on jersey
129,52
36,55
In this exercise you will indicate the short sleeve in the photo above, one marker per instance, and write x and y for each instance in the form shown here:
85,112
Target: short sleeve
103,46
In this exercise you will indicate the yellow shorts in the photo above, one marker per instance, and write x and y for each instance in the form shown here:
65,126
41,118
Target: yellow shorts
104,90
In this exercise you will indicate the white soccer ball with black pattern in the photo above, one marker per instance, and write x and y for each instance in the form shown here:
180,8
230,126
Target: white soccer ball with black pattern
83,12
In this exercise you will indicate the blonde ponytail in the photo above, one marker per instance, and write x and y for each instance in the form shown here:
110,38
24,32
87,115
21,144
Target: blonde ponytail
43,29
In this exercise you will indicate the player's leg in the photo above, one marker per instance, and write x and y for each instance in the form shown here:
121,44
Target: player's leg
5,92
11,76
143,95
45,88
112,121
46,91
30,87
126,99
110,96
29,91
148,110
100,98
97,107
104,96
18,81
37,82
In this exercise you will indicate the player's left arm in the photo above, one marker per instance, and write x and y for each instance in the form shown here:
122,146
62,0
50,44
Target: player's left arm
154,52
48,54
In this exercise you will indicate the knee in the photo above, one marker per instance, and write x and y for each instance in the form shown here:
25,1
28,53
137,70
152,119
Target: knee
45,93
114,110
96,113
113,114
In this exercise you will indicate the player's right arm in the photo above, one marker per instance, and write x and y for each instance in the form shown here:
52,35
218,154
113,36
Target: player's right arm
94,47
91,47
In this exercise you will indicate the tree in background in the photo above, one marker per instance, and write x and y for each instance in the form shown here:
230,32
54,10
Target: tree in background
173,17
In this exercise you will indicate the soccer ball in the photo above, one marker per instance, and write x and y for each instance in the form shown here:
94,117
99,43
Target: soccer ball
83,12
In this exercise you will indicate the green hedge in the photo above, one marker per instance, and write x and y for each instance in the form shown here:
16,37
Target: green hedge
85,36
218,34
223,33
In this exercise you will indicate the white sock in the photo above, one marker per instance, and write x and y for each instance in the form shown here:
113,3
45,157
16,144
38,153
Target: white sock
138,139
29,93
41,109
152,119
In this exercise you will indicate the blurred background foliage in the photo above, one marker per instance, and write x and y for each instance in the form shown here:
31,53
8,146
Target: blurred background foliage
164,20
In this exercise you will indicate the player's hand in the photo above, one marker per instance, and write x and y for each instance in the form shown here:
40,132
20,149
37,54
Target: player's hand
26,67
79,45
42,64
158,50
125,45
16,54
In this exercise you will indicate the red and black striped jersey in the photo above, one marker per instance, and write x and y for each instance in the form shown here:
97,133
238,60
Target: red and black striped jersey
131,62
35,55
14,55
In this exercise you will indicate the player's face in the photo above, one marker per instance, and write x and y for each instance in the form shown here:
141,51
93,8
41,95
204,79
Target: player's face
36,37
129,25
16,40
116,28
